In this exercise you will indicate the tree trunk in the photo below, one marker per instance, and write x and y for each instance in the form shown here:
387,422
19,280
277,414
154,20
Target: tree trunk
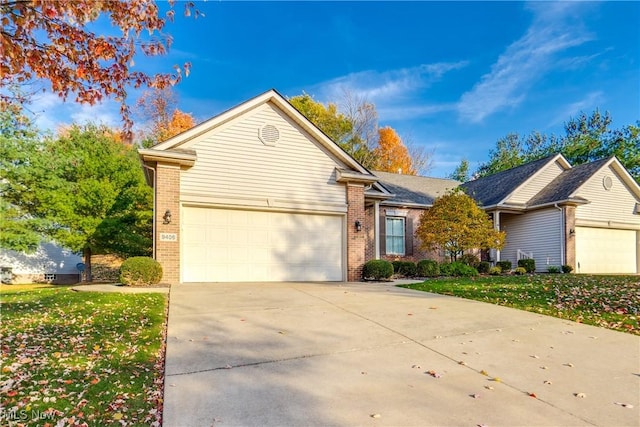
87,264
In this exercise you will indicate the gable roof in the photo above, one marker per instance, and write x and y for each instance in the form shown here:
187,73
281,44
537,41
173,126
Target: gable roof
177,144
494,189
565,184
412,190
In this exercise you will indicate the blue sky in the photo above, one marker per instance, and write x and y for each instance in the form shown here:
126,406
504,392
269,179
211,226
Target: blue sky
452,77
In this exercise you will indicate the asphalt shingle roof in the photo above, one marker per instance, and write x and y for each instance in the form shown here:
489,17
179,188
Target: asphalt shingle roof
566,183
492,189
412,189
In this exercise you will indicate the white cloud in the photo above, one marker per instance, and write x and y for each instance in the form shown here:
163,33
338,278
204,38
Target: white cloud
554,30
51,112
586,104
377,86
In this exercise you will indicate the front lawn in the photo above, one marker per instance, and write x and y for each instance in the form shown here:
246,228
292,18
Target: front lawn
609,301
80,358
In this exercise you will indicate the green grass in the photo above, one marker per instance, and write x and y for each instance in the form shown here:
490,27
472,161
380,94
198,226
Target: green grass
608,301
90,358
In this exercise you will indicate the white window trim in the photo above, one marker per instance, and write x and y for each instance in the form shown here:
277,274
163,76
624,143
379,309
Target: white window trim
387,235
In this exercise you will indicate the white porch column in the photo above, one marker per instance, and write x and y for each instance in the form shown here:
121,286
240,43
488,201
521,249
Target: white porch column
496,226
376,228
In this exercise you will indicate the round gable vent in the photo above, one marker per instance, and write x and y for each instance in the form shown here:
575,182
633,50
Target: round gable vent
607,182
269,134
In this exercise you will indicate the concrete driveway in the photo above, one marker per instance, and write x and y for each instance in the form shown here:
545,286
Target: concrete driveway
332,354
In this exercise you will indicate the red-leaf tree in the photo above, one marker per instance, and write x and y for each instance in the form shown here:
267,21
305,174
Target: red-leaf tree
53,41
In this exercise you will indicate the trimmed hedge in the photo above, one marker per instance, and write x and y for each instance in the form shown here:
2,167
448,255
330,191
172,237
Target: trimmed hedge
457,268
404,268
553,269
528,264
520,271
495,271
140,271
484,267
504,265
428,268
567,269
470,259
377,269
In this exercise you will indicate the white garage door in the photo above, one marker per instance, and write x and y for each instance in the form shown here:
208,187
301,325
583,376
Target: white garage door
603,250
225,245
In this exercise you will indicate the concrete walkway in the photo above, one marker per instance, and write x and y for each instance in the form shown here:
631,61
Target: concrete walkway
314,354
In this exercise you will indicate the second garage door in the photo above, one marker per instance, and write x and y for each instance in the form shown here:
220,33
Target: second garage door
603,250
226,245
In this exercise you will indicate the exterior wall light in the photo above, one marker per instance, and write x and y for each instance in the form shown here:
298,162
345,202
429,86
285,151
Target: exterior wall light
358,226
572,232
167,217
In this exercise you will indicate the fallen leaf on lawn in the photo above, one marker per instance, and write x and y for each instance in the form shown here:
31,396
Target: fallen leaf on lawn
117,416
434,374
95,381
26,360
96,347
532,395
11,393
57,354
624,405
580,395
375,415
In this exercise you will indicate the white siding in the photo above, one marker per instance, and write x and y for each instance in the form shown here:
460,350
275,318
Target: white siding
536,231
235,165
47,259
617,204
537,183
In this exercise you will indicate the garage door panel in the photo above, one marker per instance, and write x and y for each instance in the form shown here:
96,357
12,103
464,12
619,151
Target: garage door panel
237,245
604,250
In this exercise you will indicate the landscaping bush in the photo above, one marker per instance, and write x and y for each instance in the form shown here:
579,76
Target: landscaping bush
567,269
520,271
528,264
428,268
457,269
404,268
470,259
483,267
553,269
504,265
377,269
140,271
495,271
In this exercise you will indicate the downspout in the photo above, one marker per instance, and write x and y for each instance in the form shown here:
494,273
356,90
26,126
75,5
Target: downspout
153,237
563,244
496,226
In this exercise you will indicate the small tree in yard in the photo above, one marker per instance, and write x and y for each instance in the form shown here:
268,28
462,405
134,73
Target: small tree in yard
456,224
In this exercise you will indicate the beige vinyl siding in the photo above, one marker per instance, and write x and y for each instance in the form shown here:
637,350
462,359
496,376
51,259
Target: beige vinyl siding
235,165
616,205
536,231
537,183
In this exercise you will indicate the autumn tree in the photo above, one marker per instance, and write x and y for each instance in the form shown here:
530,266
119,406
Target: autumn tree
158,109
391,154
83,190
587,138
53,41
456,224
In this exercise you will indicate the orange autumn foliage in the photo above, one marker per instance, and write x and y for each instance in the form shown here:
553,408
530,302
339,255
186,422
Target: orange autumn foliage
392,155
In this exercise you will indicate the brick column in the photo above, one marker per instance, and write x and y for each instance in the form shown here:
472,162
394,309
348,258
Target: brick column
167,194
569,238
356,241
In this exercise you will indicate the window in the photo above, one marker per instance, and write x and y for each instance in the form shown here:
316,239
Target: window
394,229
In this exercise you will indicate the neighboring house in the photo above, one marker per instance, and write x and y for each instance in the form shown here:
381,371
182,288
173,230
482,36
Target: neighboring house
587,216
399,215
48,264
258,193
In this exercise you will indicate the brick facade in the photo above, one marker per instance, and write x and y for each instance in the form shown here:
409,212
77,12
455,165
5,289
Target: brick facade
356,240
569,237
168,198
